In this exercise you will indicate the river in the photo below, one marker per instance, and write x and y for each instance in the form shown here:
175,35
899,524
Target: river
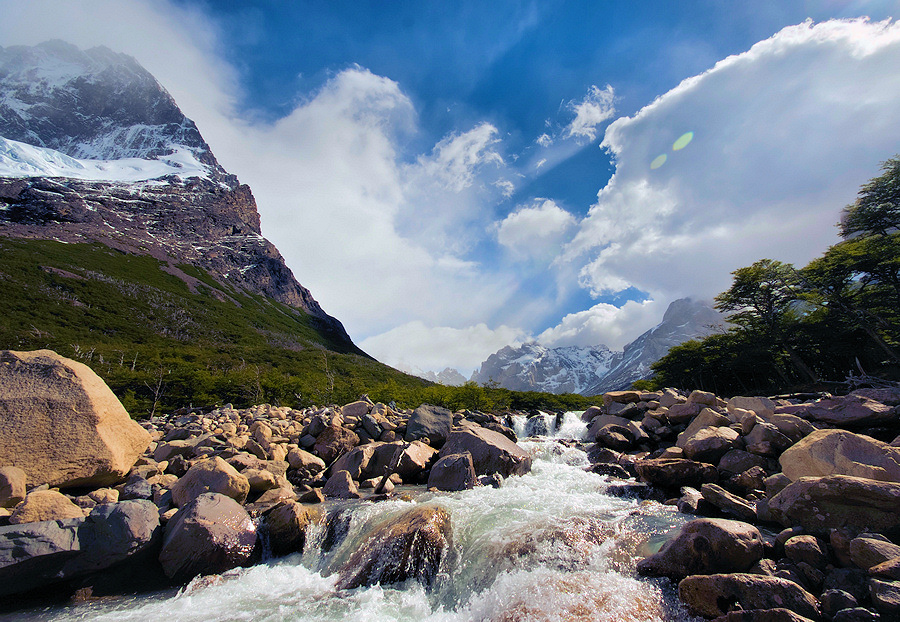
548,546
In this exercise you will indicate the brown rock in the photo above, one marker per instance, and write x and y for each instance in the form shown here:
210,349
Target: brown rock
714,595
341,486
44,505
210,475
306,464
409,546
885,597
889,569
850,410
869,550
12,486
333,442
453,472
415,459
838,452
259,480
809,549
728,502
763,615
706,546
61,424
210,535
674,472
710,444
355,409
287,524
766,440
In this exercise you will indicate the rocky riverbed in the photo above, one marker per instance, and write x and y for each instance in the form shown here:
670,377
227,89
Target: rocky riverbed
800,497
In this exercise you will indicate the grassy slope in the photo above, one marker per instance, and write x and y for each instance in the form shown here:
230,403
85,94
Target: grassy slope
160,345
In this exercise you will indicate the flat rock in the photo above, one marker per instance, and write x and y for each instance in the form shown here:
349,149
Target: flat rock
210,535
714,595
838,501
838,452
851,410
61,424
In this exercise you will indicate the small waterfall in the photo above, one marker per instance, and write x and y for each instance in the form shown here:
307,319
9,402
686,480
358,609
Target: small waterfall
571,426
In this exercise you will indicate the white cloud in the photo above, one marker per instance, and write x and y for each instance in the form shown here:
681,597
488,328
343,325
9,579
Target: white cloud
594,109
506,187
783,135
604,324
416,345
457,157
537,230
544,140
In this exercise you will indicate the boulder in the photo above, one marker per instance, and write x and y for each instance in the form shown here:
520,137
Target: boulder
287,524
431,422
306,464
710,444
682,413
415,459
61,424
333,442
792,426
838,501
453,472
838,452
737,461
356,409
675,472
42,505
33,555
766,440
885,597
210,475
762,406
702,397
209,535
621,397
341,486
260,480
856,614
867,550
808,549
356,461
706,546
889,569
728,502
715,595
12,486
779,614
708,418
409,546
851,410
491,451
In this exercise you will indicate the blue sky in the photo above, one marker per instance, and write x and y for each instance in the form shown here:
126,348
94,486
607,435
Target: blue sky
440,175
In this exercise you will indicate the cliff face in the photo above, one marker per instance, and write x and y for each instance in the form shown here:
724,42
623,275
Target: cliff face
84,136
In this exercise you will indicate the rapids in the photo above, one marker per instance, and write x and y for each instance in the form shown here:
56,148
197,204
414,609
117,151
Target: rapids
547,546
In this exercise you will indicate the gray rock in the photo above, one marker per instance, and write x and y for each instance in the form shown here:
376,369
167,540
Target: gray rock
766,440
431,422
491,452
675,472
833,601
856,614
453,472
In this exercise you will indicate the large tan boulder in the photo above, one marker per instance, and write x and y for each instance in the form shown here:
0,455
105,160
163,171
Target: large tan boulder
714,595
491,451
211,475
61,424
838,452
288,523
12,486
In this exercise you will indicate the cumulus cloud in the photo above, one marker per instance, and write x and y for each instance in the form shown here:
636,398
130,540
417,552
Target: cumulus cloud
416,345
604,323
536,230
594,109
782,137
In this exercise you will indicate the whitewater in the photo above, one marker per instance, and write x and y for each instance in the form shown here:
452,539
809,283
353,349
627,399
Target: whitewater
550,545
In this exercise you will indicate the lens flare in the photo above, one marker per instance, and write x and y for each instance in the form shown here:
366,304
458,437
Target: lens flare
658,161
682,141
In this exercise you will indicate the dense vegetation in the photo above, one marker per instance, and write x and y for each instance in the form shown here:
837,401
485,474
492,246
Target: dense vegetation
813,327
161,344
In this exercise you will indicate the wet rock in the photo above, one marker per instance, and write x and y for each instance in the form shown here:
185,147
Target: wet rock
12,486
341,486
431,422
727,502
822,503
312,496
210,535
61,424
717,594
675,473
838,452
453,472
409,546
210,475
614,437
44,505
333,442
288,523
706,546
491,452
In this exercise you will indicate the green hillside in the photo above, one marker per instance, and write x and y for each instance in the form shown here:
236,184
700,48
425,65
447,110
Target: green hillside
161,343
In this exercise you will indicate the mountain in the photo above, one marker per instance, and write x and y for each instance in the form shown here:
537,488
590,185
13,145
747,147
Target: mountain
122,236
533,367
595,370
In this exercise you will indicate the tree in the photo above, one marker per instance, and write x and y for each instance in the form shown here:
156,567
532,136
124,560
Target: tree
764,299
876,210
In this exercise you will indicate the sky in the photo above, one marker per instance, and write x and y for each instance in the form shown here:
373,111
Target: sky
449,178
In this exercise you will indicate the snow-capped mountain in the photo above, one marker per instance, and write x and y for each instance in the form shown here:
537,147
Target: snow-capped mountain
448,376
533,367
93,149
595,370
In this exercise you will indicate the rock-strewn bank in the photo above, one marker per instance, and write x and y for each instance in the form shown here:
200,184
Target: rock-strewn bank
821,472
